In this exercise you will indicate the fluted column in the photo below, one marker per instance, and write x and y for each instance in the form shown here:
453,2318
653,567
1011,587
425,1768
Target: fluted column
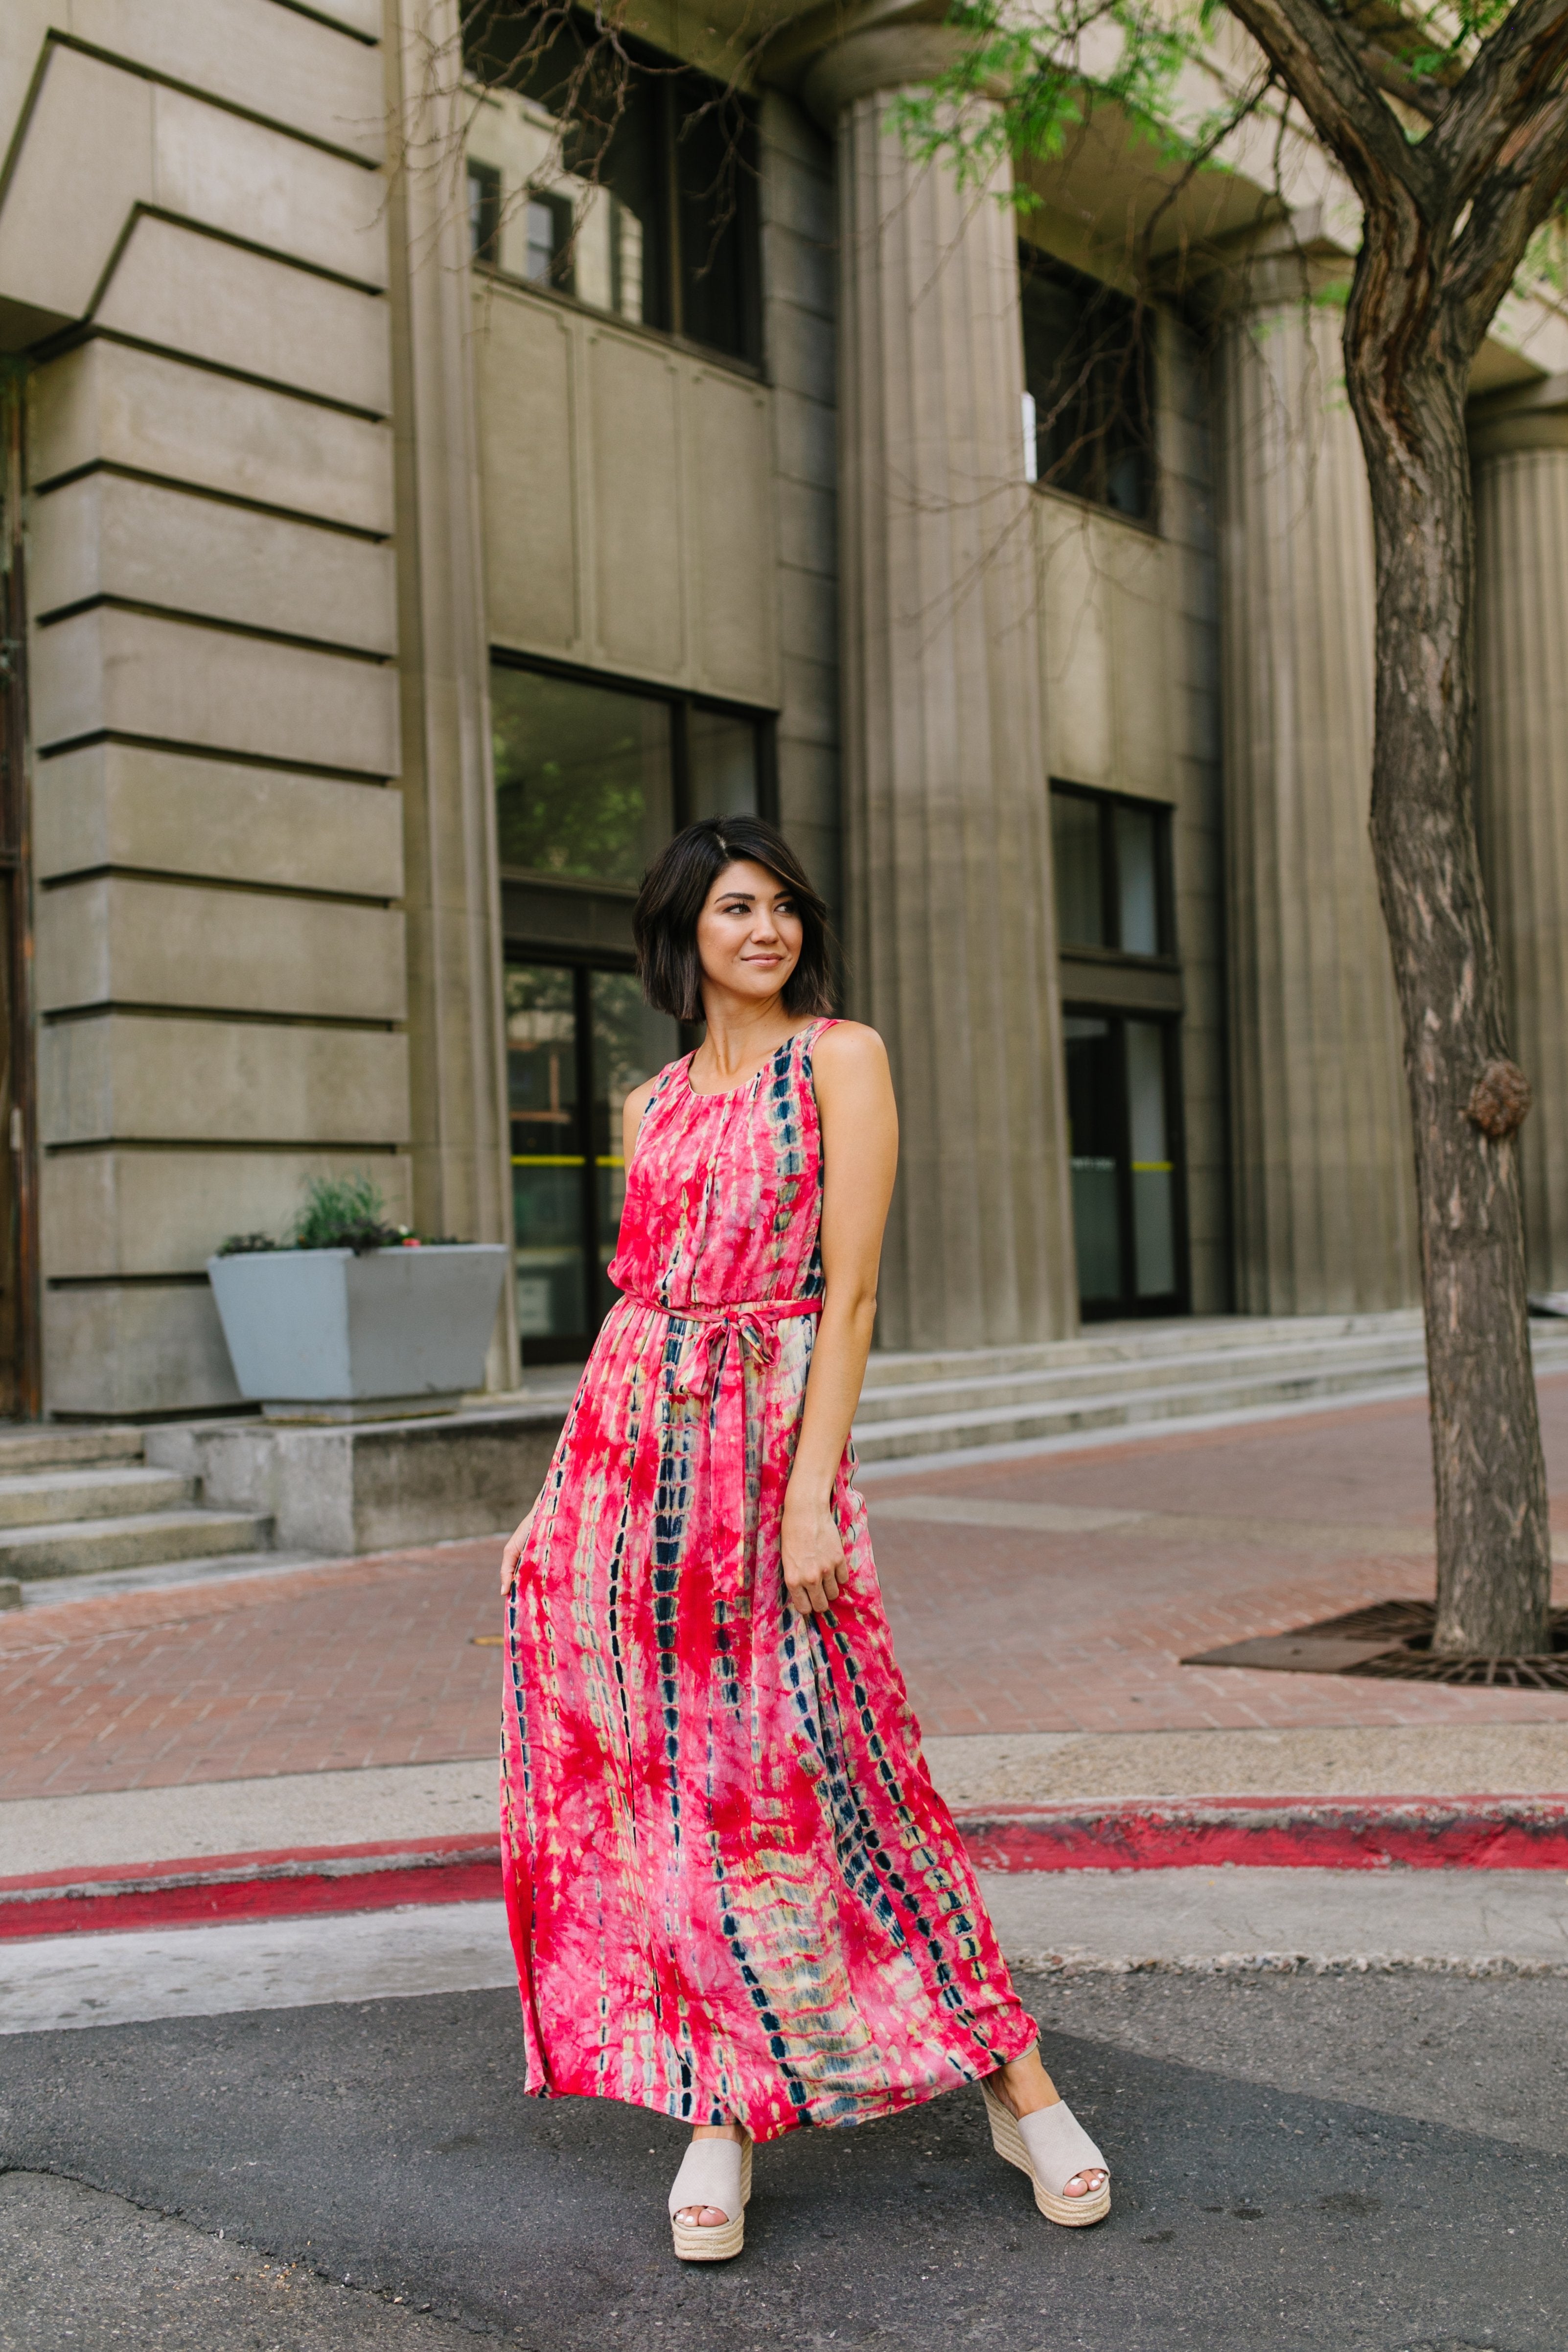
1324,1208
950,933
1522,779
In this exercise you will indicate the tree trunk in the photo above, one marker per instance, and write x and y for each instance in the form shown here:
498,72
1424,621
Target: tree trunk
1494,1561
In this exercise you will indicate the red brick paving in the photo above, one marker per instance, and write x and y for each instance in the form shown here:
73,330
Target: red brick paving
373,1660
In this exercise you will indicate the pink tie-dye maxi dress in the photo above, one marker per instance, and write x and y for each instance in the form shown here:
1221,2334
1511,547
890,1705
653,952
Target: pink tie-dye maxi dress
730,1884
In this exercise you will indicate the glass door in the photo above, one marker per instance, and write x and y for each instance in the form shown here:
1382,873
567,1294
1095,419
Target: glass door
578,1041
1125,1168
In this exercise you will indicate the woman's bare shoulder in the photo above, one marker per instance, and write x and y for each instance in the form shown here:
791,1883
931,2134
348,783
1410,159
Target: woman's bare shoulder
637,1101
849,1062
850,1046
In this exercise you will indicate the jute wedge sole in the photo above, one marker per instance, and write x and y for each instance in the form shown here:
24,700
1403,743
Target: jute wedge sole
1073,2151
716,2172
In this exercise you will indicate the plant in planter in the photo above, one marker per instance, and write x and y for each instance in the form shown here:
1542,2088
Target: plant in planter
352,1317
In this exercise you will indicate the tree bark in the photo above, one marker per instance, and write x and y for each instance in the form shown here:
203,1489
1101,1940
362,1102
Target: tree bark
1494,1561
1445,221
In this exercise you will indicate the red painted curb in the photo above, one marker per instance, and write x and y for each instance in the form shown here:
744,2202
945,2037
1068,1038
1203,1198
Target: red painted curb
1276,1833
1290,1832
206,1888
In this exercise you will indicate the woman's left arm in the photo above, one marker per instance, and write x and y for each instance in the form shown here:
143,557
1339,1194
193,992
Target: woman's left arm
860,1156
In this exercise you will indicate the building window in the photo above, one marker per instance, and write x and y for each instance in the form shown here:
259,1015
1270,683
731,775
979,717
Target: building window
484,209
1126,1180
1087,373
590,780
648,168
1112,860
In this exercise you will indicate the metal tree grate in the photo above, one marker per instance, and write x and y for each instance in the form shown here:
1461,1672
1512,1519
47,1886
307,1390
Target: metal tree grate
1391,1641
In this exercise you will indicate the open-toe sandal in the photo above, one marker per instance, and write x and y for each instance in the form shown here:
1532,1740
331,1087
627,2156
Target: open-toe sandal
716,2172
1050,2146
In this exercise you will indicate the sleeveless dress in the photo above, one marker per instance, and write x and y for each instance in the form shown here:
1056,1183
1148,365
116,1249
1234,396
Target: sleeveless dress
730,1884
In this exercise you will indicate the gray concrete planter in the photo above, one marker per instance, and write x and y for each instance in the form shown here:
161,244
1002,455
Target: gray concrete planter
322,1334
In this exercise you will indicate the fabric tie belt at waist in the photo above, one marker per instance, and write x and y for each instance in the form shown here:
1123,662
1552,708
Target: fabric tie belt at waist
753,1323
709,1365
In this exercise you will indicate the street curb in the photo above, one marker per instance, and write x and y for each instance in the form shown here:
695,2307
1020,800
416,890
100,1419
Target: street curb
1340,1833
1272,1833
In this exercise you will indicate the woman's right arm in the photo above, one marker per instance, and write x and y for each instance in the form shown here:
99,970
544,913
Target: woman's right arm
632,1109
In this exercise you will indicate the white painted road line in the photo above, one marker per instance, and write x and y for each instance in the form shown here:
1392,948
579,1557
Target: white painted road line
1471,1920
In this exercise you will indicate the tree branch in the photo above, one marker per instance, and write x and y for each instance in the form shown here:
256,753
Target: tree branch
1520,192
1332,82
1517,71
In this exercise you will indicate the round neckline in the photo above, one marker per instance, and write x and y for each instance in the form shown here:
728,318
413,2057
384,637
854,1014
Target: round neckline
728,1093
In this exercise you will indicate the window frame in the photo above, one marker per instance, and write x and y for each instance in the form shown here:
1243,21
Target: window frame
1129,1307
1035,260
680,702
671,73
1166,957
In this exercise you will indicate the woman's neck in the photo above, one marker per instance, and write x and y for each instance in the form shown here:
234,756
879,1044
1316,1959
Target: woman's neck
740,1033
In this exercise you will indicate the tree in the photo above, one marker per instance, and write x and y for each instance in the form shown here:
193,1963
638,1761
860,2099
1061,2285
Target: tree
1451,126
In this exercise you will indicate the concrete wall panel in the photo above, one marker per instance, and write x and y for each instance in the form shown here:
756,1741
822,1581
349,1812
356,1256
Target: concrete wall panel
130,1075
733,589
86,160
137,1350
269,60
171,681
638,503
118,939
273,190
525,396
104,536
119,804
149,1211
105,403
212,300
628,501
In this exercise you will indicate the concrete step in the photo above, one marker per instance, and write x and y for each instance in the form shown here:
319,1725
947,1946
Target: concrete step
40,1446
983,1384
86,1546
1166,1340
958,1418
43,1498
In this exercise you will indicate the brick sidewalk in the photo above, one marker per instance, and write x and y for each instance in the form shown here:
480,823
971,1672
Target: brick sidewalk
373,1661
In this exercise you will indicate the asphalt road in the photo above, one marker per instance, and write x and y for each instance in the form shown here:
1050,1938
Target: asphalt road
1359,2164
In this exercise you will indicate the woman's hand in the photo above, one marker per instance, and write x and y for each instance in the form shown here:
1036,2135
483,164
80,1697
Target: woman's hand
815,1571
513,1552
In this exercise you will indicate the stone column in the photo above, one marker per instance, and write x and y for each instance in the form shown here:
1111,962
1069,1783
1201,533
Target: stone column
457,1027
1324,1195
1522,773
949,927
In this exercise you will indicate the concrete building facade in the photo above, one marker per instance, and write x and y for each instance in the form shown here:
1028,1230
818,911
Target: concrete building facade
418,503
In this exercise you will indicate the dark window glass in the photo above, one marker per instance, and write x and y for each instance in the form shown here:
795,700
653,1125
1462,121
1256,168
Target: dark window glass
630,1042
1119,1081
651,169
1112,868
1087,368
549,250
547,1158
484,209
721,765
1080,878
715,179
584,785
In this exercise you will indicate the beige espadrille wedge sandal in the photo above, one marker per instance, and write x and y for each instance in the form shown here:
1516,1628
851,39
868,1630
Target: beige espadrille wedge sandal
716,2172
1050,2146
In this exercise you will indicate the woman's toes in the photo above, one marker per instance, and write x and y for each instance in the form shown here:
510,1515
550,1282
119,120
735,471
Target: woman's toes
700,2217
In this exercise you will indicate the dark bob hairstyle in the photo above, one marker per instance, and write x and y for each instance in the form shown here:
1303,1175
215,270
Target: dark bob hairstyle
675,890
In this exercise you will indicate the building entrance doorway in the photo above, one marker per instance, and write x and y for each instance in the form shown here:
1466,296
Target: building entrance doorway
579,1039
1128,1211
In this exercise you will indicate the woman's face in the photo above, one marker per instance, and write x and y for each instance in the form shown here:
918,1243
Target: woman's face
749,933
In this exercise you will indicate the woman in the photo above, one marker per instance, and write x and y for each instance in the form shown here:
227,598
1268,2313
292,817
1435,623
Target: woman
734,1895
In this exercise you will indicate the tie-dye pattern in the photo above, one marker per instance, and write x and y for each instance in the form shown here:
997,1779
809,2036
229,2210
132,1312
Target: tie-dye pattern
731,1886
